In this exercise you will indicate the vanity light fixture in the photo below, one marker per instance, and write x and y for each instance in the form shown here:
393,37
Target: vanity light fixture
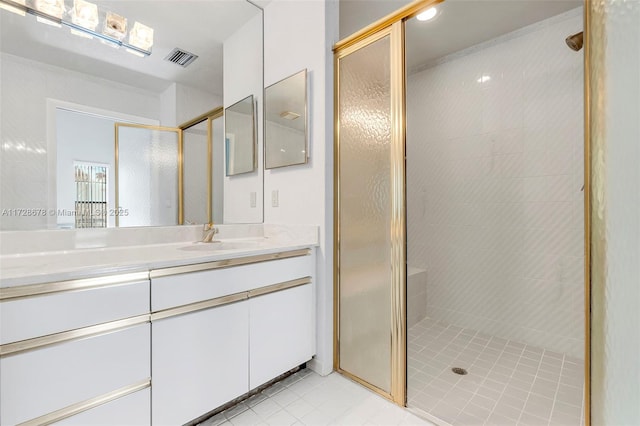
115,26
84,14
83,18
141,36
428,14
50,9
18,10
289,115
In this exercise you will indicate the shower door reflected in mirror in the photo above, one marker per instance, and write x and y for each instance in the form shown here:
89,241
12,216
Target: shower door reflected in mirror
148,175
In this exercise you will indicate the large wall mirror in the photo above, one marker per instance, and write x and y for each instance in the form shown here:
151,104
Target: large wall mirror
112,112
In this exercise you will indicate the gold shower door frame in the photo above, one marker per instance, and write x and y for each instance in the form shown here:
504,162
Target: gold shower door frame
397,325
393,25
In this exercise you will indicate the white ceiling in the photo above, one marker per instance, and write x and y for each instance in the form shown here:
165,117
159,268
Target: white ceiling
198,26
461,23
464,23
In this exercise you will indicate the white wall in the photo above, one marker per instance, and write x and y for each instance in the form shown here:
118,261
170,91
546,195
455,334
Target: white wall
28,159
298,35
616,209
242,63
495,171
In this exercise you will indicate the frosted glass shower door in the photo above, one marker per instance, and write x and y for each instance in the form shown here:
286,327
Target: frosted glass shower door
148,175
367,234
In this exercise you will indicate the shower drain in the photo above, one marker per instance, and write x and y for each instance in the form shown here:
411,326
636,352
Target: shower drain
460,371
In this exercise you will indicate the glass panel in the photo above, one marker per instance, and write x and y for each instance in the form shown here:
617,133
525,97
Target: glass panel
365,214
196,190
147,177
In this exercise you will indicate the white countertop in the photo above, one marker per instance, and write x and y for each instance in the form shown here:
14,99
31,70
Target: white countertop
53,266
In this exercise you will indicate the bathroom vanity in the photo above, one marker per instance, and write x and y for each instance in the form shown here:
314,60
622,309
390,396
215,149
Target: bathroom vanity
152,334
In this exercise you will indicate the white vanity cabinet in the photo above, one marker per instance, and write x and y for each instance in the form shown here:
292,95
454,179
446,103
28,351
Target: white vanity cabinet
73,347
220,333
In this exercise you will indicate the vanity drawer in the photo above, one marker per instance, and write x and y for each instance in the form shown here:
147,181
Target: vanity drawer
130,410
45,314
44,380
182,289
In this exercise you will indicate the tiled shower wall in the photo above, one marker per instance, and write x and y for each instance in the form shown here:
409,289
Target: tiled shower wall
494,186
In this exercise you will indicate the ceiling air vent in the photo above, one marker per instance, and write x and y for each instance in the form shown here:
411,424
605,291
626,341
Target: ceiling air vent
181,57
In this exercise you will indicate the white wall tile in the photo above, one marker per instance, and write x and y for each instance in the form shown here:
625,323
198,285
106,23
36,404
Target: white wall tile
494,188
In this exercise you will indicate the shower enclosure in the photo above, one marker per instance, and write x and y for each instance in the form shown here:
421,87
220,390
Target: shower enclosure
460,266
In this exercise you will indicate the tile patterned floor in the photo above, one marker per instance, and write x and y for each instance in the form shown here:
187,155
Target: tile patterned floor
508,383
306,398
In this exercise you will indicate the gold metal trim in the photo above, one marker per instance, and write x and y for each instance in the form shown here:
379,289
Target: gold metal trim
405,12
210,169
31,290
279,287
213,114
366,384
226,263
588,187
180,177
336,212
66,336
178,131
88,404
199,306
398,227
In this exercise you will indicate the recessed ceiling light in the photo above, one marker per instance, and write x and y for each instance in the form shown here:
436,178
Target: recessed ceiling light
428,14
484,79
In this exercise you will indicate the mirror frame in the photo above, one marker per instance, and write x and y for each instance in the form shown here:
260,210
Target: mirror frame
306,120
254,142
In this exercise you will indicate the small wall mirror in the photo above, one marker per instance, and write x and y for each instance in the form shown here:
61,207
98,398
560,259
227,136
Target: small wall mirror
285,137
240,137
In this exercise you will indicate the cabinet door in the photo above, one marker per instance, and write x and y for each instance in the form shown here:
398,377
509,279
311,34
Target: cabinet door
130,410
281,332
199,362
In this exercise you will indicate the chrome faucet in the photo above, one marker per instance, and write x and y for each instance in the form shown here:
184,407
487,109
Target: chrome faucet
209,232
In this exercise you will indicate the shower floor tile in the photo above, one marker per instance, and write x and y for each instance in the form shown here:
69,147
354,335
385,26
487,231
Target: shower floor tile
507,383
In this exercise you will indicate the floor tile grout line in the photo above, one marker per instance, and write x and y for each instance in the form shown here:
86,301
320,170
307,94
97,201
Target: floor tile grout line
555,396
510,377
530,386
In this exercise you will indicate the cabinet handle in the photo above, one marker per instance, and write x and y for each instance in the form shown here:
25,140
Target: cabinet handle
199,306
88,404
279,287
65,336
219,264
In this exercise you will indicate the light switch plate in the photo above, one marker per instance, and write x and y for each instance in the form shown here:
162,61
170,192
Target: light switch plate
274,198
252,198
